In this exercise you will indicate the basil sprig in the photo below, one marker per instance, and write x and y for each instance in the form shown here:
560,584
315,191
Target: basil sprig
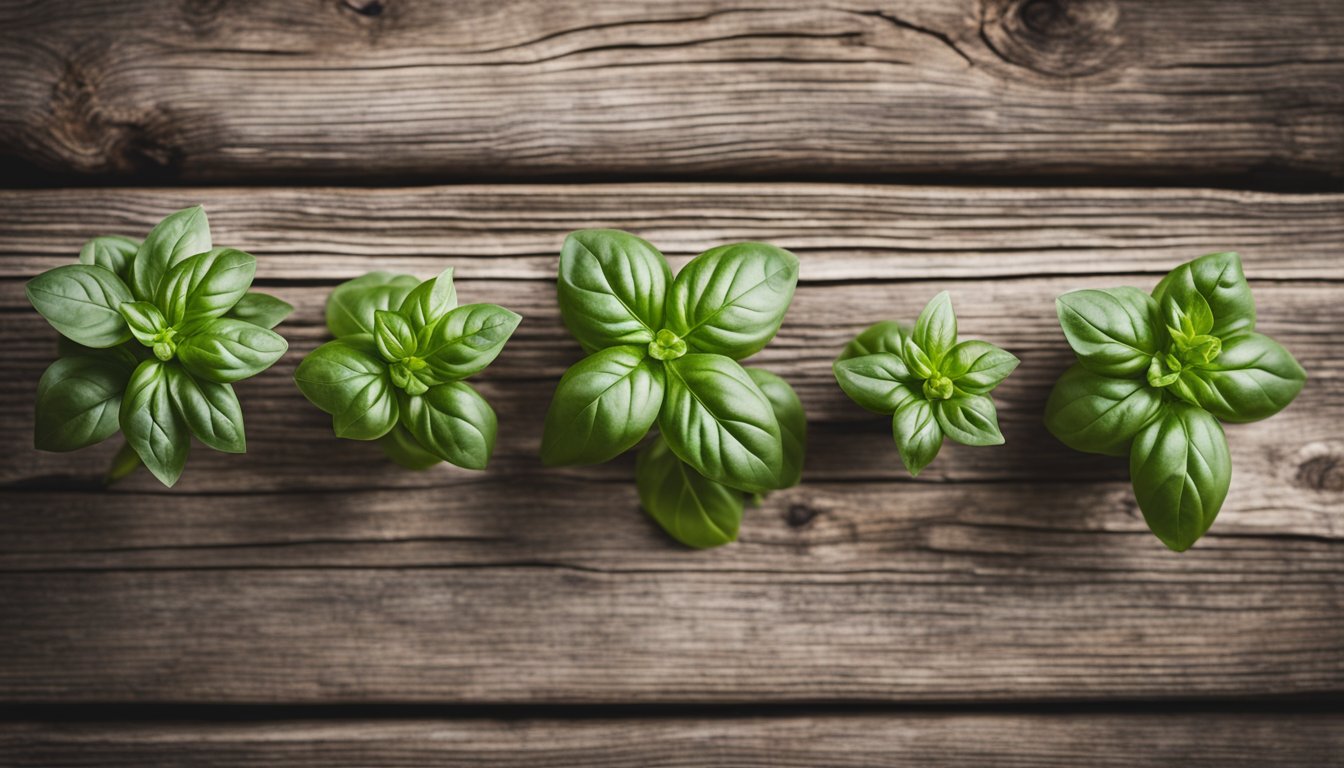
664,351
1154,376
155,333
394,372
929,383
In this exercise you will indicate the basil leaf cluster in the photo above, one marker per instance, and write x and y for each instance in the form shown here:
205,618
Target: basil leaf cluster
395,371
932,385
665,351
1155,375
155,332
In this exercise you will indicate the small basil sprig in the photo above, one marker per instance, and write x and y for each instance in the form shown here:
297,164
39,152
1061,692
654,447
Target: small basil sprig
665,351
394,372
929,383
155,333
1155,373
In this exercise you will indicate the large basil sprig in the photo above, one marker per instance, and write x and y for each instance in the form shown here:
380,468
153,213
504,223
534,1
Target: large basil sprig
1154,375
665,351
155,333
394,372
929,383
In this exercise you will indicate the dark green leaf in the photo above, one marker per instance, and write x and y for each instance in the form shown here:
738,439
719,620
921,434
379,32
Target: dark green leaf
1217,278
604,404
430,301
936,329
205,286
883,336
1253,378
211,410
111,252
1181,471
451,421
716,419
1099,414
977,367
968,419
918,436
152,425
792,422
1115,332
401,447
879,382
78,399
347,379
611,288
467,339
176,238
731,300
351,306
228,350
695,511
393,335
260,309
81,302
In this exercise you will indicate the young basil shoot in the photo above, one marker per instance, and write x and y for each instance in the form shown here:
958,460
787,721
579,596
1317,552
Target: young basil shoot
929,383
395,371
1154,376
665,351
155,332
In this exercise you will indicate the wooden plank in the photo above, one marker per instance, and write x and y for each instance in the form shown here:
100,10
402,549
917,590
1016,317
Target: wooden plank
527,89
933,740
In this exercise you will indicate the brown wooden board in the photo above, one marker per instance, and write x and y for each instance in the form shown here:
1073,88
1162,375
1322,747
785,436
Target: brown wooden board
463,91
311,571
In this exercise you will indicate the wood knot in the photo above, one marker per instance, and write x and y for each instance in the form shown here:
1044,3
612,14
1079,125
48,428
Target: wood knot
800,515
1059,38
364,7
201,15
1320,467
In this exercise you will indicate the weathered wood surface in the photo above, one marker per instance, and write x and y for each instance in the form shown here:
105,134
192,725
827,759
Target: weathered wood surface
463,91
1125,740
311,571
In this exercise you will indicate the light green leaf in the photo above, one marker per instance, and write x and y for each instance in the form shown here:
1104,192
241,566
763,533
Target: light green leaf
1181,471
145,321
260,309
977,367
205,286
611,288
347,379
1217,278
351,306
1115,332
883,336
152,425
695,511
731,300
792,423
111,252
451,421
1099,414
918,436
879,382
394,336
78,399
81,302
968,419
936,329
603,406
178,237
226,350
467,340
1253,378
429,301
211,410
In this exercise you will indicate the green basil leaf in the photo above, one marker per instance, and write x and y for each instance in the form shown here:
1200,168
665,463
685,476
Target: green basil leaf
451,421
430,301
604,404
152,425
401,447
351,306
883,336
111,252
1253,378
1099,414
205,286
919,363
347,379
969,419
880,382
178,237
467,339
1115,332
78,399
260,309
731,300
936,329
210,410
792,423
611,288
717,420
226,351
394,336
1181,470
693,510
918,436
977,367
1217,279
144,319
81,302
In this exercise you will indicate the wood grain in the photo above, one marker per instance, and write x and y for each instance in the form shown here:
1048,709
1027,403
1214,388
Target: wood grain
189,89
304,573
1124,740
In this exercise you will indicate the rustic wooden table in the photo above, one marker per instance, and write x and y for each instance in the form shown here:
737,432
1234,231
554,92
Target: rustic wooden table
309,604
